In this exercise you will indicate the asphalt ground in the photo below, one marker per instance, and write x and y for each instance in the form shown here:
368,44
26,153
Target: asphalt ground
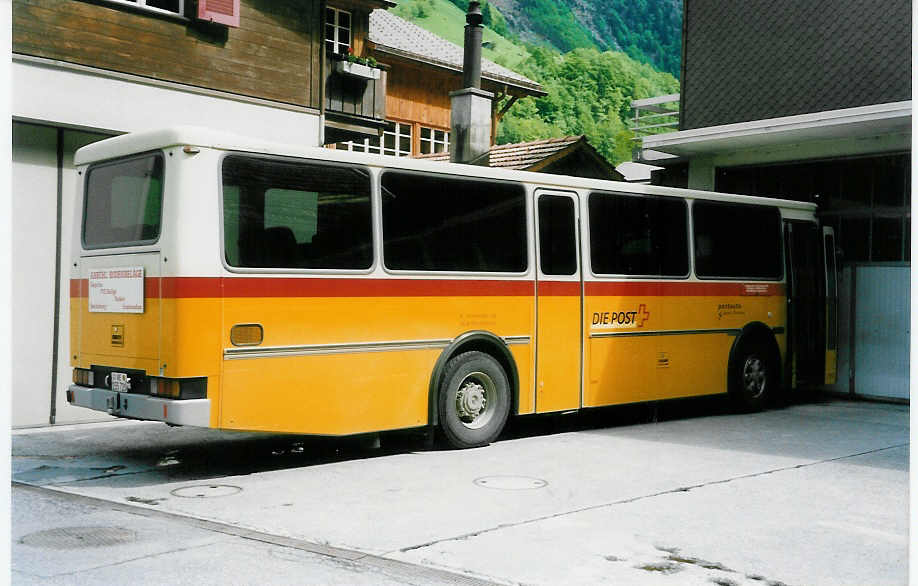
683,492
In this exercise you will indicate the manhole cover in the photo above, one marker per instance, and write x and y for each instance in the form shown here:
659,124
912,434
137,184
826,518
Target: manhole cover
78,537
204,491
511,482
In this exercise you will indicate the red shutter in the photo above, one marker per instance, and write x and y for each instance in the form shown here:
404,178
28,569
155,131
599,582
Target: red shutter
219,11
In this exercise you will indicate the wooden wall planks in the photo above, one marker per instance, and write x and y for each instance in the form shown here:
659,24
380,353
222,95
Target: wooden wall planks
275,54
420,95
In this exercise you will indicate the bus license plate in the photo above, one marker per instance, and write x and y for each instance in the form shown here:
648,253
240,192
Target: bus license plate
121,383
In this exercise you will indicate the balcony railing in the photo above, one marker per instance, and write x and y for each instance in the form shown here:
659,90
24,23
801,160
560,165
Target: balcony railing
655,116
354,104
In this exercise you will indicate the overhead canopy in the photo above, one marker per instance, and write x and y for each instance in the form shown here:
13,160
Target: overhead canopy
864,121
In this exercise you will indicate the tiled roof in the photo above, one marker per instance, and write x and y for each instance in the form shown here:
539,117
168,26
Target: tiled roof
397,36
522,155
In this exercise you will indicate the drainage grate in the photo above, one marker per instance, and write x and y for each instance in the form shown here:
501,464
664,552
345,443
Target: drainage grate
510,482
204,491
79,537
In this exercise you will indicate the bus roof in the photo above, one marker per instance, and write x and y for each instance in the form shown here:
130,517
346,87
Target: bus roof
139,142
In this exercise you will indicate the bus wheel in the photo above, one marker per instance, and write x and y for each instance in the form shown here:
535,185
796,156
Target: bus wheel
752,377
474,400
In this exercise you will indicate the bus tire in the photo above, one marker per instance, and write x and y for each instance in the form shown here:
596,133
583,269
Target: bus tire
753,376
474,400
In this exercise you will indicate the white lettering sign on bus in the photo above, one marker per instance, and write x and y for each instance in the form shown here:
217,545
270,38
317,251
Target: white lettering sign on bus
116,290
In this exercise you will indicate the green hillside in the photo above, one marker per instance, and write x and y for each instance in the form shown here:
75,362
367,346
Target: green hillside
446,20
647,30
589,91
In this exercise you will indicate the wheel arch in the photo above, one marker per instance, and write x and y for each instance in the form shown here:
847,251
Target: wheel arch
755,333
482,341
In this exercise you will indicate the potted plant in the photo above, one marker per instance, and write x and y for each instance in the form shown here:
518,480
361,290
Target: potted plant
359,67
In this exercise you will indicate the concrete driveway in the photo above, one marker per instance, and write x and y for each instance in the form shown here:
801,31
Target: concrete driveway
687,493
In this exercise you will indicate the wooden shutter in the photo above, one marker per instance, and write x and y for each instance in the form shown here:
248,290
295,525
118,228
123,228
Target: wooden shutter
219,11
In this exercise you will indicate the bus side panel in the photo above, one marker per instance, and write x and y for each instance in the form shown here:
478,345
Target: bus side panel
621,370
525,365
695,363
620,356
332,394
347,373
192,340
677,344
559,352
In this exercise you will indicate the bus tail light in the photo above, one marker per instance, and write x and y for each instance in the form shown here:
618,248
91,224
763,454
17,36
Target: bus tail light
247,334
178,388
83,377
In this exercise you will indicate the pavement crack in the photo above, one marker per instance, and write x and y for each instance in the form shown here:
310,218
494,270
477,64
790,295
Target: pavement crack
109,475
128,561
405,571
634,499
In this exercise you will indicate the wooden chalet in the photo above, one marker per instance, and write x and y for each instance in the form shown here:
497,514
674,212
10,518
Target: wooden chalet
422,71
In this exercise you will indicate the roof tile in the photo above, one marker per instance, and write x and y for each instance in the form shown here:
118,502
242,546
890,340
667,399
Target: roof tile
522,155
389,31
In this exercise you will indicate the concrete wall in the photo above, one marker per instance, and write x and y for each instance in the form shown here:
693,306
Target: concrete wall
57,109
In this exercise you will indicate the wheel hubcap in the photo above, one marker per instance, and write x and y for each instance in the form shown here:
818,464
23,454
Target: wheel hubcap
754,376
472,400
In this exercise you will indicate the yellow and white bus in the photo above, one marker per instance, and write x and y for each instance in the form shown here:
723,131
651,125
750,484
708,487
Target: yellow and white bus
226,283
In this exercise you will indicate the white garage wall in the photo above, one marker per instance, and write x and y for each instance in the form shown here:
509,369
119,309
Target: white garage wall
70,95
34,203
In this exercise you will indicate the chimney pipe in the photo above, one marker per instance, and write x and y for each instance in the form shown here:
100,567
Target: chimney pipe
470,120
471,63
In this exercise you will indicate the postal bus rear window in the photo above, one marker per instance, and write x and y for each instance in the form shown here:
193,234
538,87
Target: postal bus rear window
123,203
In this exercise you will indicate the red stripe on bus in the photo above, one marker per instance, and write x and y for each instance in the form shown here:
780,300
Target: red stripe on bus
559,288
179,287
285,287
199,287
682,289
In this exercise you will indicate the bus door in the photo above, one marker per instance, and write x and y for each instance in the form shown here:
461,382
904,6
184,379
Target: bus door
831,276
806,309
559,302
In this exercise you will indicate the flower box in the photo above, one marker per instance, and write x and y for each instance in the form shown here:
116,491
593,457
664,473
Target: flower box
356,70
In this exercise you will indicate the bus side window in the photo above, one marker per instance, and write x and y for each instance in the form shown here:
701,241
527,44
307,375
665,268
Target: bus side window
286,214
444,223
638,235
737,241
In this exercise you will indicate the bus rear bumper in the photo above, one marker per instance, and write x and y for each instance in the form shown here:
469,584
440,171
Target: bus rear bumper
194,412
